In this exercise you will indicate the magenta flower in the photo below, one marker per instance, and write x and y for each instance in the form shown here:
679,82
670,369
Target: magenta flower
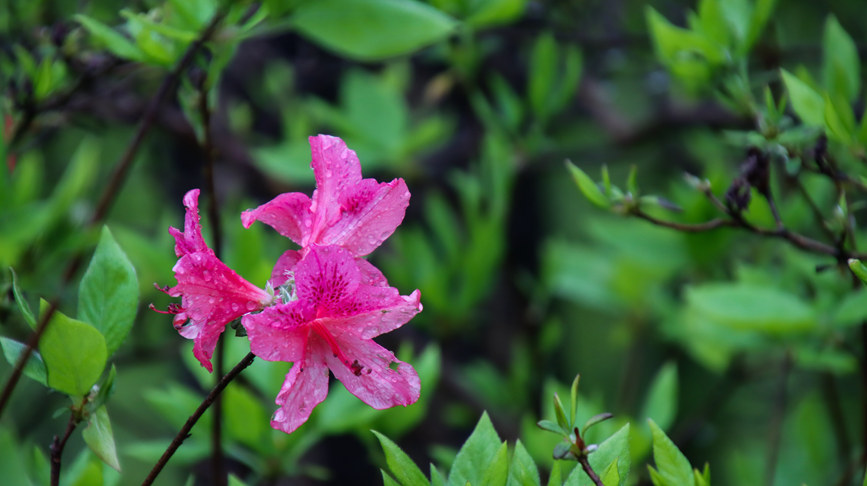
339,304
212,295
346,210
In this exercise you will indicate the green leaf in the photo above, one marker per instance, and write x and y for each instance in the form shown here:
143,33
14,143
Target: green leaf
74,353
478,451
611,475
672,467
543,74
496,473
113,40
371,30
35,366
388,480
702,478
436,477
807,103
523,470
573,398
841,68
589,188
23,306
761,13
744,306
401,466
551,426
560,414
661,401
596,419
108,293
673,43
840,120
99,437
858,268
615,449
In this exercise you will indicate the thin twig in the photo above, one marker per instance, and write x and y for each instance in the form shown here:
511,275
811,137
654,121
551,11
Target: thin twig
188,426
57,444
218,467
585,464
111,190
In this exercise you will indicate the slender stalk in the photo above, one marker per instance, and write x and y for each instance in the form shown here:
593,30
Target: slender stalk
112,188
585,464
188,426
218,467
58,444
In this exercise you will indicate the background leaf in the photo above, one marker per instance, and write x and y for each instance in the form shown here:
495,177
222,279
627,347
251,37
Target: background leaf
108,293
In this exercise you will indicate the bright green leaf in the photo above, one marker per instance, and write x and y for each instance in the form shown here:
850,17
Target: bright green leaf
841,68
35,366
99,437
754,307
589,188
108,293
23,305
74,353
858,268
611,475
401,466
840,121
762,11
496,473
661,401
807,103
476,453
543,74
523,470
371,30
672,467
113,40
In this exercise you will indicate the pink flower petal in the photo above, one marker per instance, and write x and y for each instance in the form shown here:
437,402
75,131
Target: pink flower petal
371,213
190,240
212,295
336,168
373,322
279,333
284,268
370,376
327,277
288,213
306,386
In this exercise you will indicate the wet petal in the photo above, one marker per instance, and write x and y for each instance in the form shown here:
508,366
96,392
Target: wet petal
212,295
306,386
336,168
284,268
288,213
327,277
390,315
279,333
370,376
190,240
370,212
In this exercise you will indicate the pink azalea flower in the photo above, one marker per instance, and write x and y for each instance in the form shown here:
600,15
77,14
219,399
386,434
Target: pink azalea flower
340,304
346,210
212,295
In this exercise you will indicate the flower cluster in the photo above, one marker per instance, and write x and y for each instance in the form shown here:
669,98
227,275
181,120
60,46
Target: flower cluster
324,304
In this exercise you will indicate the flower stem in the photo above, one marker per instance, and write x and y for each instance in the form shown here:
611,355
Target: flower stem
191,421
585,464
57,444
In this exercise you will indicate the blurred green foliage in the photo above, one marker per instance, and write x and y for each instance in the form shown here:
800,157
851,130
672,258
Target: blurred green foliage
741,342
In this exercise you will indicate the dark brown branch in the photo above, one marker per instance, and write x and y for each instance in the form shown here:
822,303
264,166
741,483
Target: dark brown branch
585,464
58,444
188,426
218,468
111,190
